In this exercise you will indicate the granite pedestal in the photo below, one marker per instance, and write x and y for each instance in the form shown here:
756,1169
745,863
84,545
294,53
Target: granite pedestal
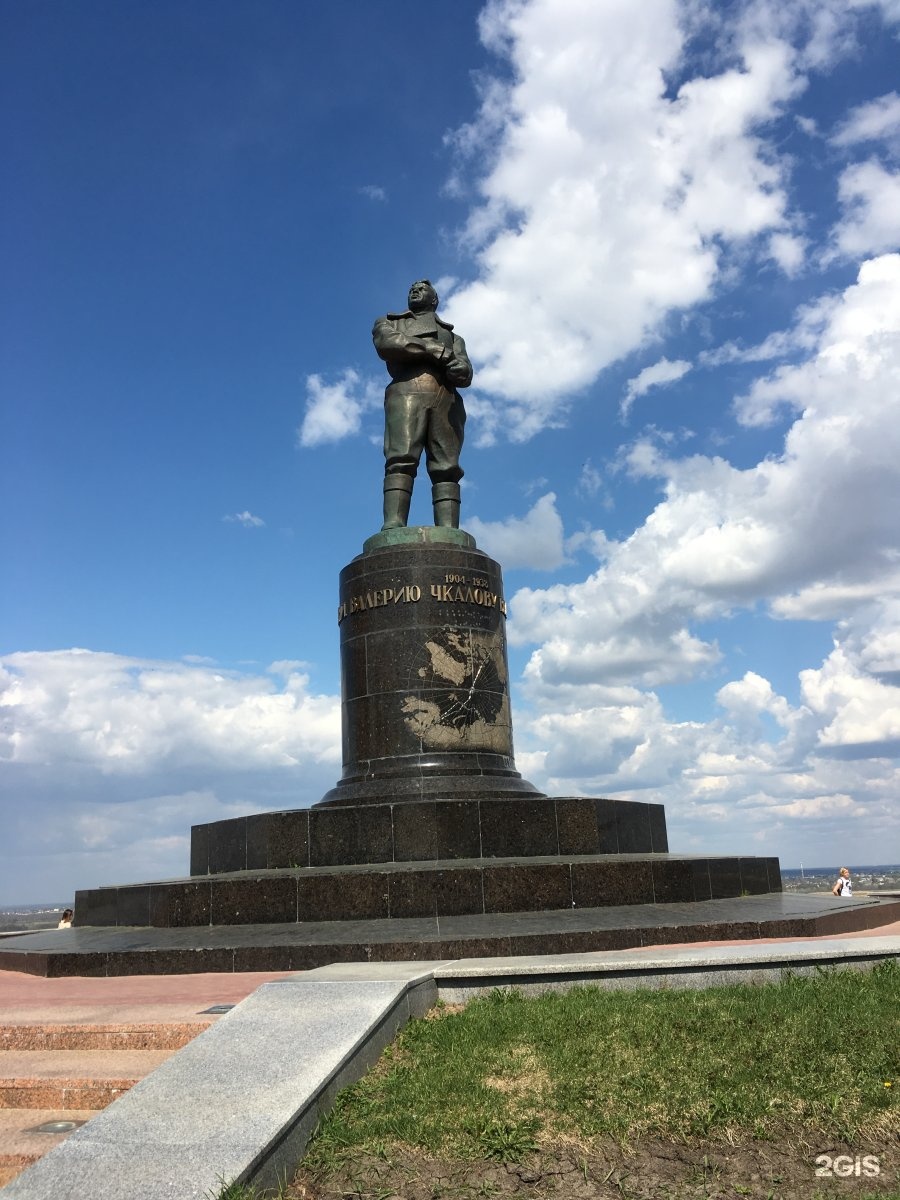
431,838
424,675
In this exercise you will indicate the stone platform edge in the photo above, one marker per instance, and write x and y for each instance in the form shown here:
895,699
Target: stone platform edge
133,951
389,891
428,831
240,1103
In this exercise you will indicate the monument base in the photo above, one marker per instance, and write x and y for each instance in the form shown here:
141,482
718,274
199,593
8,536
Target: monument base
432,845
424,675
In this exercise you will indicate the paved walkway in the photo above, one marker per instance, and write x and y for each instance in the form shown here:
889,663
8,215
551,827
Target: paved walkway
122,998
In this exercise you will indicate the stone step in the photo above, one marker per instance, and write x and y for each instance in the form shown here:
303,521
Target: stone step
72,1078
81,1023
59,1036
305,945
429,831
444,888
21,1143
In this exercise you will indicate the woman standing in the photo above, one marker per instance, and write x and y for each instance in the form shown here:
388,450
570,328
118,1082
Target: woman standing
844,884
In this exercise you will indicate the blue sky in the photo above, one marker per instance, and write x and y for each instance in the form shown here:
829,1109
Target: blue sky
668,233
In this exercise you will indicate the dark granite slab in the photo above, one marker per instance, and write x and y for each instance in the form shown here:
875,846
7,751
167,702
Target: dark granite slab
518,828
228,844
430,829
124,951
439,887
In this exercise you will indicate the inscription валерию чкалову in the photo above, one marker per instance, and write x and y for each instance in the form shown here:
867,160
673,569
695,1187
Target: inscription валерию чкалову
454,589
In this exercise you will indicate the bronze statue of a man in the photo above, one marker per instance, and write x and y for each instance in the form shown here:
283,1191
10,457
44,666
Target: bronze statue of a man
423,410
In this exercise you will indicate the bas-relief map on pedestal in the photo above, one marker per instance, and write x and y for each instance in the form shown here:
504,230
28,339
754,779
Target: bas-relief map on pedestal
466,706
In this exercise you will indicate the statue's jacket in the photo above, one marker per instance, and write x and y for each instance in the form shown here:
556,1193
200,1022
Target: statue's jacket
406,342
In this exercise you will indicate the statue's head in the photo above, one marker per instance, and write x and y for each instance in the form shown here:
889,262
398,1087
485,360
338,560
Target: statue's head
422,296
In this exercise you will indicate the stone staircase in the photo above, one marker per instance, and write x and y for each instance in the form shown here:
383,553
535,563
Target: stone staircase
54,1075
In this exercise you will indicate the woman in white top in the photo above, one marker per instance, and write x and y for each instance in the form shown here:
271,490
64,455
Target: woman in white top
844,884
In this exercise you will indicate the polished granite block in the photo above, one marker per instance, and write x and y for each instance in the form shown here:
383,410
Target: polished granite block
96,906
609,812
423,668
133,905
773,867
266,900
474,947
228,844
257,841
435,893
702,884
357,897
576,825
287,838
264,958
458,829
588,824
673,881
525,888
381,729
518,828
193,960
415,832
754,876
428,830
350,835
605,882
91,966
347,891
633,827
173,905
200,850
724,877
659,840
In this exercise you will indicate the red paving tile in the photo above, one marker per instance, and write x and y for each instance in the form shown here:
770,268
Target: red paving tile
122,997
224,988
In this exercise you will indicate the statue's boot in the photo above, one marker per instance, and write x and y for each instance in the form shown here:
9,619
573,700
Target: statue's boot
397,495
445,498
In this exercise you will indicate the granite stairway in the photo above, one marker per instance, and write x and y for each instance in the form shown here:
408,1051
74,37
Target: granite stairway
55,1075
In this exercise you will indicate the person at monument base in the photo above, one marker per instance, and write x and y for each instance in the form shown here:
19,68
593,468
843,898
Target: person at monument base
423,410
844,885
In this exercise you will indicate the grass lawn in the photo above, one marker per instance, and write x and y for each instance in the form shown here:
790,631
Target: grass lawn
731,1091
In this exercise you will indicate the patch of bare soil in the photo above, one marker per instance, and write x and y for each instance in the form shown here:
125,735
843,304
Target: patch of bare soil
648,1171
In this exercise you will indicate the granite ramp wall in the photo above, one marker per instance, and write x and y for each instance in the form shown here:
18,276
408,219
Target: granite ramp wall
240,1102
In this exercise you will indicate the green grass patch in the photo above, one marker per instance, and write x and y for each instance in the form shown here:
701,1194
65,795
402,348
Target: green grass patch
805,1056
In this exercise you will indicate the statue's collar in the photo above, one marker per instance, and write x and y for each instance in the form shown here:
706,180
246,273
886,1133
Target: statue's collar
409,313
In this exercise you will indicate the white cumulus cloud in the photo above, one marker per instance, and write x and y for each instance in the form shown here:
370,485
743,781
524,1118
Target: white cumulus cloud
535,540
127,715
608,203
657,375
878,119
334,410
870,197
809,533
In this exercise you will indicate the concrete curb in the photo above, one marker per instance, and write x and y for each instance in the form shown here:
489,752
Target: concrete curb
701,967
240,1102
